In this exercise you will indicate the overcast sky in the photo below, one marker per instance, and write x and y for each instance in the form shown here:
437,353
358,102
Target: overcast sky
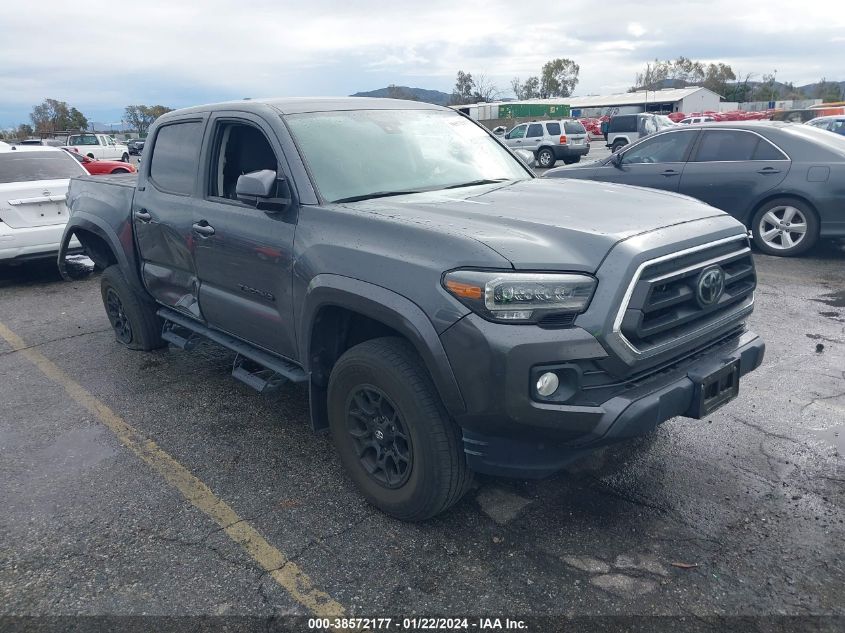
101,56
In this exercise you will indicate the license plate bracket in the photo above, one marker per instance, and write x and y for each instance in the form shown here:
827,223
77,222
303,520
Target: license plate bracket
714,390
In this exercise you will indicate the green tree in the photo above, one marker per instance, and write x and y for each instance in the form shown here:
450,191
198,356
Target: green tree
558,78
828,91
53,115
531,88
141,117
24,131
716,78
464,86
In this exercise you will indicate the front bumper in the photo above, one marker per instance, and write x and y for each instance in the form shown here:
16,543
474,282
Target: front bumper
507,432
31,242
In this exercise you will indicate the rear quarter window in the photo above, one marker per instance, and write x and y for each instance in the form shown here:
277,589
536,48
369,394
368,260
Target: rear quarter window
176,150
553,128
623,123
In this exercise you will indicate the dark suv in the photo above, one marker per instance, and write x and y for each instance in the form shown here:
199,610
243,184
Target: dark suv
448,311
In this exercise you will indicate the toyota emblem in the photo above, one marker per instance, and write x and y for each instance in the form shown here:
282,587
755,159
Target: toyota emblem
710,286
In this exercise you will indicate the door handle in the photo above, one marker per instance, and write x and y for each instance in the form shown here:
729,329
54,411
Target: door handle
203,228
768,170
143,215
670,172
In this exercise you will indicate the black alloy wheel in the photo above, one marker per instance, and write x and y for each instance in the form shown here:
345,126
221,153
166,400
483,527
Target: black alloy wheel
381,440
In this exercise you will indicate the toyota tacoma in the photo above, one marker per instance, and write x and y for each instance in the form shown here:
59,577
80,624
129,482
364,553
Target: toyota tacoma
449,312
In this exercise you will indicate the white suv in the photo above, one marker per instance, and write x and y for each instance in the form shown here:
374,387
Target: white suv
551,141
33,185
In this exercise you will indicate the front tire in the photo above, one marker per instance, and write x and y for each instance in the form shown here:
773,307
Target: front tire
125,158
133,318
392,432
785,227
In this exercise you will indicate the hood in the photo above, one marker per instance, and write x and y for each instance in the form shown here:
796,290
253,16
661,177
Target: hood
556,224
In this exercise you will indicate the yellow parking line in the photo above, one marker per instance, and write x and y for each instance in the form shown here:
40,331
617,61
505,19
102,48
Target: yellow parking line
285,572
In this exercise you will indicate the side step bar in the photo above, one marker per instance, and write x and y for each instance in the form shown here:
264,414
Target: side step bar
254,367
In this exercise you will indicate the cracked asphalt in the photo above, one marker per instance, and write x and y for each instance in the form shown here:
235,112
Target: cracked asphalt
739,514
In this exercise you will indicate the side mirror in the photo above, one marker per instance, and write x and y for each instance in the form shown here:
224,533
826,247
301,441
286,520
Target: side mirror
616,159
259,188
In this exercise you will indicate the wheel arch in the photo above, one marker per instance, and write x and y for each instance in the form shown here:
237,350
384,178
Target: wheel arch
339,312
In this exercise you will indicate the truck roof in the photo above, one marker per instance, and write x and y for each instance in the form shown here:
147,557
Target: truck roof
297,105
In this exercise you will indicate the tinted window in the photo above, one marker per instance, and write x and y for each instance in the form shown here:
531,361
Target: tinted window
726,145
623,123
553,128
574,127
517,132
663,148
535,129
24,166
175,155
767,151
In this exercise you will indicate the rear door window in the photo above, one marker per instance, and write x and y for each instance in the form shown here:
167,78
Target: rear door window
726,145
534,130
176,150
553,128
25,166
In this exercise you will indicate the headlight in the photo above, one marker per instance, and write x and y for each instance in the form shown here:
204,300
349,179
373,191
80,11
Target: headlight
520,297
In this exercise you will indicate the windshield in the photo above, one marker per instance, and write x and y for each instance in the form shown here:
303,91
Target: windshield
367,153
25,166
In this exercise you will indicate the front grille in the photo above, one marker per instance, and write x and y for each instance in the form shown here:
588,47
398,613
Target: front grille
666,305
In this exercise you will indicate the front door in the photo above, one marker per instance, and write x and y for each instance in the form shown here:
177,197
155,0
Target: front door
656,162
162,214
516,137
243,253
731,168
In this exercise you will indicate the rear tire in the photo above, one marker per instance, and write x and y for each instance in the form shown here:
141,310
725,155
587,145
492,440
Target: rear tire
785,227
546,158
125,158
572,161
392,432
120,170
617,145
133,318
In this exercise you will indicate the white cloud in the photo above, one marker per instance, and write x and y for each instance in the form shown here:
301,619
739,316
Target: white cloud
636,29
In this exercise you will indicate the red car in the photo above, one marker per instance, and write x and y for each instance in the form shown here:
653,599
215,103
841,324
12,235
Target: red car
97,167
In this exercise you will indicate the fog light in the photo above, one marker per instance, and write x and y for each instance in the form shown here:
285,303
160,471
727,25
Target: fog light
547,384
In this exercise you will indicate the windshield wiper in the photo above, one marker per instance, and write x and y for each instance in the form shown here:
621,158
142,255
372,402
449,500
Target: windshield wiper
484,181
377,194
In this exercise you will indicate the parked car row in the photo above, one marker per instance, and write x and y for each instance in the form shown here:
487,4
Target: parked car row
784,181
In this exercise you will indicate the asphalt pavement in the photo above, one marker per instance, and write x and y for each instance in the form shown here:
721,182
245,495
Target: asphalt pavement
154,483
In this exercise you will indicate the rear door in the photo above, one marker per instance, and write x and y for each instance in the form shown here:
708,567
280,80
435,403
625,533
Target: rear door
576,133
730,169
533,137
244,254
657,161
163,214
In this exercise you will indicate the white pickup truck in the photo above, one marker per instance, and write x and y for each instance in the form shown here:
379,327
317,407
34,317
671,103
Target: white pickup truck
99,146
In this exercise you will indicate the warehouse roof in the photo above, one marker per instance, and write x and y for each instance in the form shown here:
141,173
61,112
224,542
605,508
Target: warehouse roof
666,95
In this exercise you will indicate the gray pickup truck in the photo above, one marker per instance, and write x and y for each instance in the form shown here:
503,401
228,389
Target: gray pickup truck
449,311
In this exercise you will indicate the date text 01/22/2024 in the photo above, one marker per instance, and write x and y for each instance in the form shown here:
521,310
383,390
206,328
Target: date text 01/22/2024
417,624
